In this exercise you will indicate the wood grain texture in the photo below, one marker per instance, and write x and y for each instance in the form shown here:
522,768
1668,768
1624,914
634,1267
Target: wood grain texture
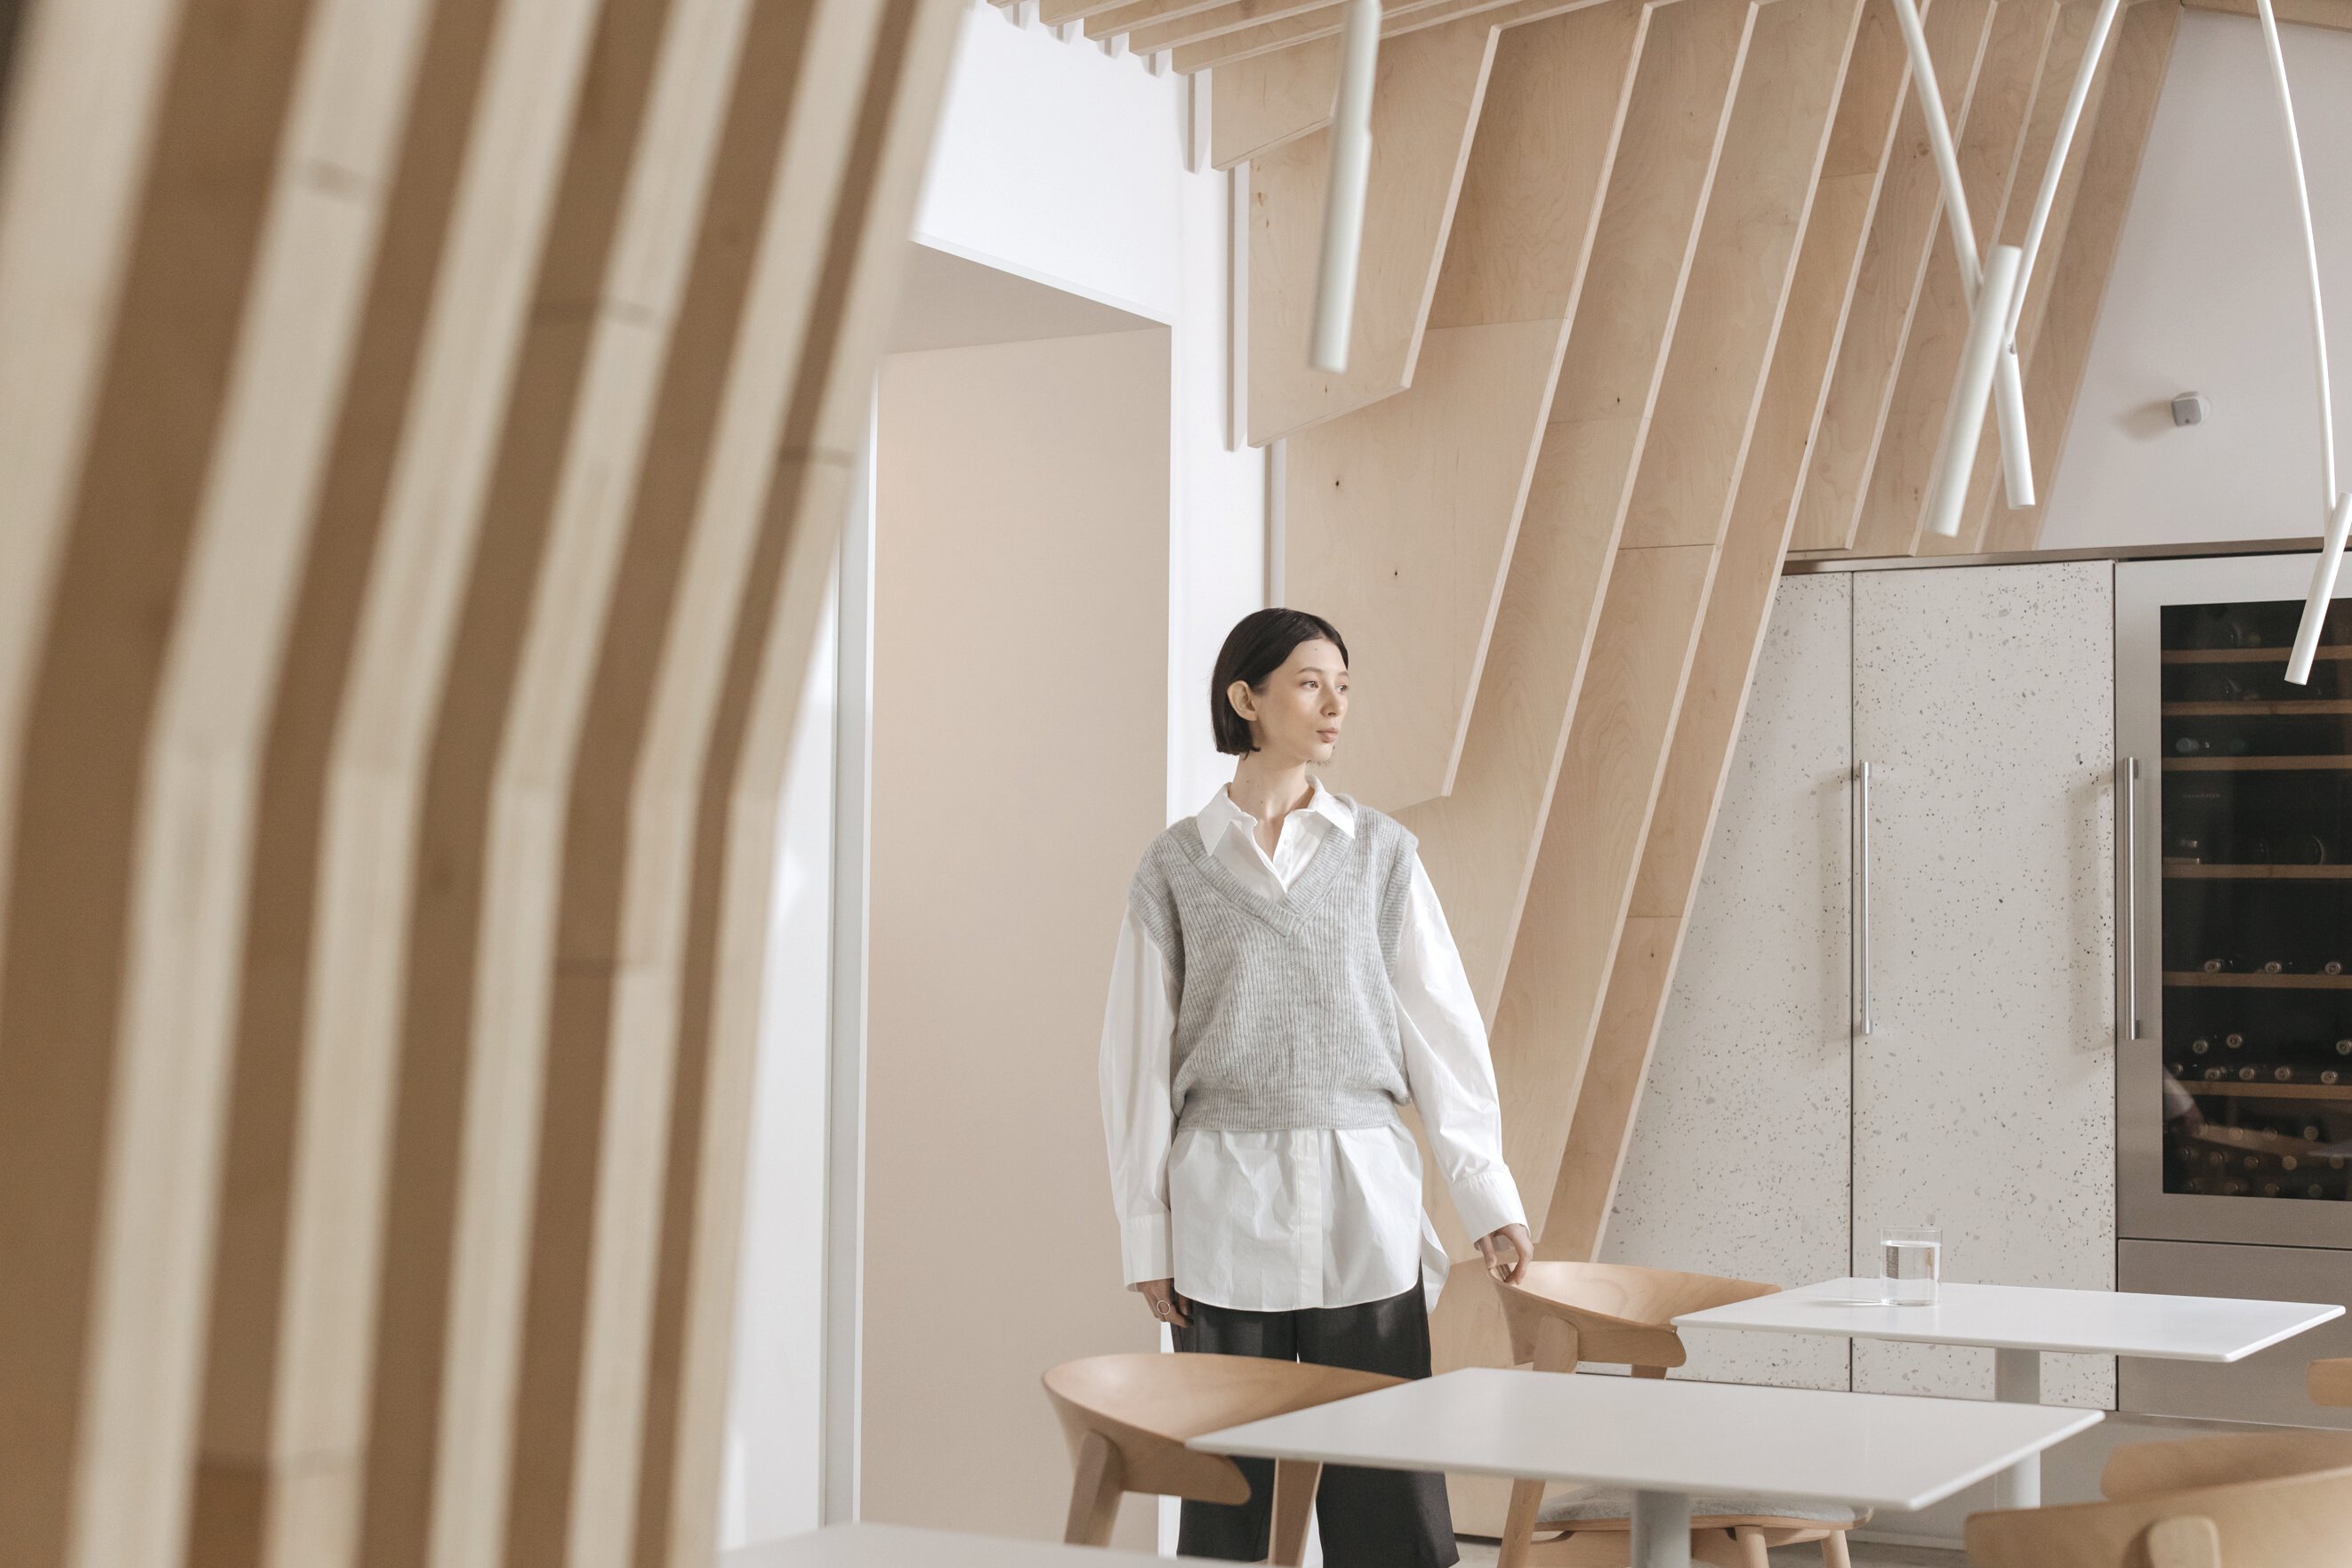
1425,106
2018,56
1684,499
1151,35
1399,517
2335,14
108,1124
1902,235
2078,273
1263,101
1479,843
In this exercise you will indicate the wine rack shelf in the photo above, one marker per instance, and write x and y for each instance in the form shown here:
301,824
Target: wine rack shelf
2318,707
2256,764
2260,982
2269,1091
2195,872
2246,655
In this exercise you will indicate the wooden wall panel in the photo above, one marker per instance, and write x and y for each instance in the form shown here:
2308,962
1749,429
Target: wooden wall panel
2018,62
1399,517
1902,234
1682,503
2077,275
1263,101
1424,106
2073,24
1698,758
108,1139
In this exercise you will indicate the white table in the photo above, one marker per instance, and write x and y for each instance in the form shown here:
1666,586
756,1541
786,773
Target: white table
2020,1323
1666,1441
892,1546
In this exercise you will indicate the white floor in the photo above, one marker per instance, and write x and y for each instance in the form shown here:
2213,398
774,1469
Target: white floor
1866,1554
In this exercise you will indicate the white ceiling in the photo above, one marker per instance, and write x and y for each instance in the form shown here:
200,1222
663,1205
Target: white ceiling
949,302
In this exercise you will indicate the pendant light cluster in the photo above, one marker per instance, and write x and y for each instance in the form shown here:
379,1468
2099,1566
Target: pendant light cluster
1343,196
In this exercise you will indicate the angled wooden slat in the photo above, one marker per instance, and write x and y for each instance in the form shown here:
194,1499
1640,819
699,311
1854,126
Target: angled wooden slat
2336,13
1902,234
1424,108
1698,758
2041,138
1199,26
723,925
2024,36
1053,13
1716,364
108,1126
1396,19
1263,101
1127,15
1399,517
2078,273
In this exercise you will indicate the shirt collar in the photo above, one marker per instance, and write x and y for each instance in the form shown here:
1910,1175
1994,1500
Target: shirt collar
1220,815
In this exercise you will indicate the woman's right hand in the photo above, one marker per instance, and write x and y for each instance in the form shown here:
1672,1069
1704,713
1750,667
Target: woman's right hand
1166,1305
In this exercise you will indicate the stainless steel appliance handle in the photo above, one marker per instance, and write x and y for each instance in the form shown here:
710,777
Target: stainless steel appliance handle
1861,891
2128,1023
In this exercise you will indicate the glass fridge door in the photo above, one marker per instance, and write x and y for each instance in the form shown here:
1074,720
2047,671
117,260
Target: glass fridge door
2235,1099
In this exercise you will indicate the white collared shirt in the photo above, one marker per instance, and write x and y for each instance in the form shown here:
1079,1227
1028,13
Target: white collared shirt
1320,1217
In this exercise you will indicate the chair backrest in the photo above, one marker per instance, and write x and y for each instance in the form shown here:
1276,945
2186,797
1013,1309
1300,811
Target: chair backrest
2331,1381
2287,1522
1147,1406
2149,1470
1614,1313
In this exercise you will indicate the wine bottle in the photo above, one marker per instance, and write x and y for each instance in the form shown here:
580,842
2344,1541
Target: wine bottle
2234,1041
2200,1046
2330,966
2344,1048
2274,966
2219,963
2301,849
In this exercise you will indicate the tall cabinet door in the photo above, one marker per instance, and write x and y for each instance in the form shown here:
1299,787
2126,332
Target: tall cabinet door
1740,1158
1984,1090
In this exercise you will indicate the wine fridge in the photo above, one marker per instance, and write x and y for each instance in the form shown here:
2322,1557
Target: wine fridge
2233,1075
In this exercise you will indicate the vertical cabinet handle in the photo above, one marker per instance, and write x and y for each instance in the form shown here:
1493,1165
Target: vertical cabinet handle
1861,894
2128,1024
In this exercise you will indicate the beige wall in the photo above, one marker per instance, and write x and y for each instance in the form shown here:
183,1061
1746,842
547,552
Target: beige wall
1020,765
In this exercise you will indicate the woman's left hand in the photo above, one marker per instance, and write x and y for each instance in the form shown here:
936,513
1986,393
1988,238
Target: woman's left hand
1523,1248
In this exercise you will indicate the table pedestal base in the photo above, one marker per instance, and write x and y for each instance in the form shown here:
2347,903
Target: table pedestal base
2017,1380
1661,1529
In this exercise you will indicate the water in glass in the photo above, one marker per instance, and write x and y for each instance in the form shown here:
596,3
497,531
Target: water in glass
1913,1260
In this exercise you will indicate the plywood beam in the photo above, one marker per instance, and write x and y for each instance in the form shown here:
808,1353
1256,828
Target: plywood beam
2018,61
1289,31
1399,517
1127,15
1902,237
1720,351
2336,13
2078,275
1424,108
1263,101
1699,757
1152,35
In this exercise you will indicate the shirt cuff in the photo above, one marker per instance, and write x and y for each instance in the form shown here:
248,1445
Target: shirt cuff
1487,1203
1144,1248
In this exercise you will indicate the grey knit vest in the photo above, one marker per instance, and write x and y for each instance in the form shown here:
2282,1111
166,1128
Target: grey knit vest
1286,1019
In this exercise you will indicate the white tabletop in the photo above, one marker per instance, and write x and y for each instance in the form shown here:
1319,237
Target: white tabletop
1875,1450
891,1546
2028,1317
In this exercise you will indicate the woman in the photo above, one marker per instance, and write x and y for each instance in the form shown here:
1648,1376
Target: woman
1285,983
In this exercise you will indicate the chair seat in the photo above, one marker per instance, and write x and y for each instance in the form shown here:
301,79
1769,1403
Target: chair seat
1599,1507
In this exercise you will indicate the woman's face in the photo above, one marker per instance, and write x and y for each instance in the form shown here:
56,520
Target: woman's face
1296,716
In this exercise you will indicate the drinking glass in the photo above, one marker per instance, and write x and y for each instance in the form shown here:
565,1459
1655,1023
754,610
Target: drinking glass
1913,1259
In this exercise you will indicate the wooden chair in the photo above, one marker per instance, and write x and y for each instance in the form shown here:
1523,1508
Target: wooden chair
2269,1499
1127,1418
2331,1381
1615,1314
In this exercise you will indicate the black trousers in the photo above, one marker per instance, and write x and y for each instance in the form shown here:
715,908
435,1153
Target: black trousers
1369,1519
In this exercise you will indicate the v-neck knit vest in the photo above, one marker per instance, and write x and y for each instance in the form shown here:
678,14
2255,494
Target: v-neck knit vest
1286,1019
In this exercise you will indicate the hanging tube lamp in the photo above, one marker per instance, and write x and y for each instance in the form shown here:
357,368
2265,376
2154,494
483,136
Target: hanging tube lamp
1343,196
2336,504
1989,288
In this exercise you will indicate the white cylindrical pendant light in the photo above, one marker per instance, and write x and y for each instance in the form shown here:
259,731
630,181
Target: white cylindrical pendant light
2016,457
2331,549
1343,196
1956,459
1939,142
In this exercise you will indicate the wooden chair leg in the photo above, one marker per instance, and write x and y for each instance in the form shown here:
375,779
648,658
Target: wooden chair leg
1752,1547
1295,1481
1833,1551
1519,1523
1094,1495
1649,1370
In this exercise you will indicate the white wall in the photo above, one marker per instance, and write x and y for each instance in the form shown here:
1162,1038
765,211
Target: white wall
2208,295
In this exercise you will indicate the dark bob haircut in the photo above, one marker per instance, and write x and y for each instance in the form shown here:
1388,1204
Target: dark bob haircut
1256,647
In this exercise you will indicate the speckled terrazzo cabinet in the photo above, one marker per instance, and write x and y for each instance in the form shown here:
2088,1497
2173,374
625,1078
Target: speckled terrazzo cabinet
1774,1142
